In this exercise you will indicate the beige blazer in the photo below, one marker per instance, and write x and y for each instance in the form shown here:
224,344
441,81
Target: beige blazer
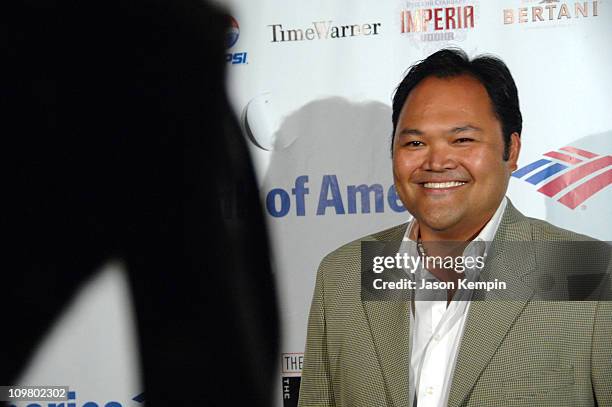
513,353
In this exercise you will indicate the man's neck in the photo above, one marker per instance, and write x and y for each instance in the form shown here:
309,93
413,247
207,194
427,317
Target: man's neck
460,234
452,241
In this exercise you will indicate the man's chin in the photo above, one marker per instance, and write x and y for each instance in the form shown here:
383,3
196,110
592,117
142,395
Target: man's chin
440,221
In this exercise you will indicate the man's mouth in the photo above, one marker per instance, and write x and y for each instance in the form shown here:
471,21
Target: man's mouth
442,185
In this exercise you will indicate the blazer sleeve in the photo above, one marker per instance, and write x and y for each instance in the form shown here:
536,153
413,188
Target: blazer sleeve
315,387
601,357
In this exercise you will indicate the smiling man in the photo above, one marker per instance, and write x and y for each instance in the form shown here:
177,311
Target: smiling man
450,163
456,141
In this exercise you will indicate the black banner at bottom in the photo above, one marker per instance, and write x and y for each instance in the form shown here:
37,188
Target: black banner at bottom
291,390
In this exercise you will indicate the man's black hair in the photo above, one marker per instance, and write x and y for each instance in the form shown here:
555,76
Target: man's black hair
492,72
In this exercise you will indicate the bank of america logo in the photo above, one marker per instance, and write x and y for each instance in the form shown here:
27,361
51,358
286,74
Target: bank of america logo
571,175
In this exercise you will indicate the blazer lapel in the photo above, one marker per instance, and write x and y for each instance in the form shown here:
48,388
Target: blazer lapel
490,319
389,323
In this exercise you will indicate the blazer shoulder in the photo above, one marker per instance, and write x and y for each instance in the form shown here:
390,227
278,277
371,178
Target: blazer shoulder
545,231
349,254
516,226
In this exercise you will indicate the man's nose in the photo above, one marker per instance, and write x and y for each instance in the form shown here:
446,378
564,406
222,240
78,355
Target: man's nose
439,158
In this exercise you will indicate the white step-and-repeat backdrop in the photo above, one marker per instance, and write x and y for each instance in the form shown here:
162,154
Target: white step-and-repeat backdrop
312,84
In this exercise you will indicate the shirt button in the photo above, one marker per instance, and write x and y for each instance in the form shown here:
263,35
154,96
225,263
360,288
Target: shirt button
436,337
429,391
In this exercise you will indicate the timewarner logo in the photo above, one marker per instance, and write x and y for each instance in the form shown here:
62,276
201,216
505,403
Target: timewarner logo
323,30
569,167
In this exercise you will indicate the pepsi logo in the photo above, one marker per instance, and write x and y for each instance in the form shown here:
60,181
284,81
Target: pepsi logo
233,32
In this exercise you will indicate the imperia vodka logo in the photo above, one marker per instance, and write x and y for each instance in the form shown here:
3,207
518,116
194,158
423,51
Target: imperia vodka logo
437,22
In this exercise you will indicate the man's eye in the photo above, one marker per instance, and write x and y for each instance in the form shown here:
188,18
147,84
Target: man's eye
414,143
464,140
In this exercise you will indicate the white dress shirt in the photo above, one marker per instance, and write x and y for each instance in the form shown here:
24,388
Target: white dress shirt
437,329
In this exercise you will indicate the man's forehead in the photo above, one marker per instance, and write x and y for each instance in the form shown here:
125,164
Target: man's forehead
462,86
458,94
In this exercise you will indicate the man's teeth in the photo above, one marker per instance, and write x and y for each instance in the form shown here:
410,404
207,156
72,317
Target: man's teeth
443,184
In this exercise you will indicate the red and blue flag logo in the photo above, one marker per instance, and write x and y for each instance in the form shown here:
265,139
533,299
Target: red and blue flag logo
569,175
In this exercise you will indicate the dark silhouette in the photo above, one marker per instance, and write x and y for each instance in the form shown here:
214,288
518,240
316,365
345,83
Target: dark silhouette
118,143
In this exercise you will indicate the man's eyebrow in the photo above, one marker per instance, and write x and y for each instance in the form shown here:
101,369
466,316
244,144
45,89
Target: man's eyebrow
467,127
410,132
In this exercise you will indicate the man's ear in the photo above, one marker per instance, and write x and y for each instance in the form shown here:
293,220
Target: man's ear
514,151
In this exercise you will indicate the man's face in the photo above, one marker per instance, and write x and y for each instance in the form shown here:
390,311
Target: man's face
448,156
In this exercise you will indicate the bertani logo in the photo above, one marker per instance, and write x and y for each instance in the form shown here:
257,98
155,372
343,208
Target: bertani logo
322,30
552,10
572,175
